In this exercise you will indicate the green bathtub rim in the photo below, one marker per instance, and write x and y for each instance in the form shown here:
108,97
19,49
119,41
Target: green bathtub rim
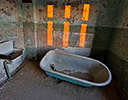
68,79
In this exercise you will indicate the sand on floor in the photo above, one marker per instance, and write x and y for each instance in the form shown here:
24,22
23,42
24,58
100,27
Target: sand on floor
31,83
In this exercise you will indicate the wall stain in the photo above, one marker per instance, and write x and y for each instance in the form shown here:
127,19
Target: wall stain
28,15
11,8
61,16
96,11
63,6
19,19
27,7
77,9
5,12
40,10
15,5
104,5
10,1
26,21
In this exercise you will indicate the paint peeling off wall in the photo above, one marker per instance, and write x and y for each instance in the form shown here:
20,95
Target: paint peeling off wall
11,22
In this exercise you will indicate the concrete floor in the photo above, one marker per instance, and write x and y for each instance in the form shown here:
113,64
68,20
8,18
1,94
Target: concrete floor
31,83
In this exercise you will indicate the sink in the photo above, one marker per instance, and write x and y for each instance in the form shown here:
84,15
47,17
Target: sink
8,52
6,47
15,53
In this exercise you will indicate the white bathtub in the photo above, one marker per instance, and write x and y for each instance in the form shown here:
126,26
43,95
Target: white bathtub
64,66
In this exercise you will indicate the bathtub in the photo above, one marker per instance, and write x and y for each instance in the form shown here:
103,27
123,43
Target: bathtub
76,69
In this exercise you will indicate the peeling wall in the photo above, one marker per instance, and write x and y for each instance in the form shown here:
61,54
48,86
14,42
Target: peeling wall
11,22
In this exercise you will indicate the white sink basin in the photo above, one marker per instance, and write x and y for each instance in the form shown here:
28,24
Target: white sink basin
6,47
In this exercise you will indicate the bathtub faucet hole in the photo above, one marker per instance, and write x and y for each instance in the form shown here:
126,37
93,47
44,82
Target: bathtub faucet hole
52,67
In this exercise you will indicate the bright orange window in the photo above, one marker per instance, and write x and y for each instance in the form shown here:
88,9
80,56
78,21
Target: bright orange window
50,33
66,34
50,11
86,12
82,35
67,11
